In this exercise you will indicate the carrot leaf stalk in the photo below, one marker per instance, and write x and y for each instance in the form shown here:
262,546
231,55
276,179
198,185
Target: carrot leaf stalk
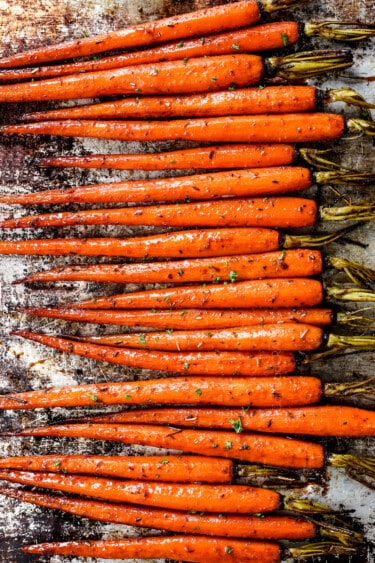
319,549
348,96
363,212
315,241
339,177
357,273
271,476
339,30
270,6
344,390
361,127
340,534
309,63
352,318
351,294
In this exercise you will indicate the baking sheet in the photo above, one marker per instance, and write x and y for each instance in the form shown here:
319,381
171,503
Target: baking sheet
24,365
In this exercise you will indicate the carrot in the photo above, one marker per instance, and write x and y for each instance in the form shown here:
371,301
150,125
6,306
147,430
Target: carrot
280,212
214,156
204,363
272,99
243,183
171,77
225,525
274,293
316,421
180,548
284,128
191,548
193,318
263,37
253,448
289,337
289,263
181,469
261,392
200,22
176,496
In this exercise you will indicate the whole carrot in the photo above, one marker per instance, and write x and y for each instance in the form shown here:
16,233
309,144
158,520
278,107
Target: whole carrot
181,469
200,22
193,318
289,263
176,496
279,212
243,183
215,156
274,293
261,392
203,363
225,525
248,101
317,420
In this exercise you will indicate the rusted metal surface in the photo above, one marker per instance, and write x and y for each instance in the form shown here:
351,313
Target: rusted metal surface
24,365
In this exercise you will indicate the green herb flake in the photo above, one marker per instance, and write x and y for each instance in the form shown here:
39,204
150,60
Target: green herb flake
228,445
214,445
214,79
198,392
282,255
155,72
164,461
228,549
181,44
232,87
244,447
285,39
180,272
209,334
186,60
169,330
142,339
237,425
173,161
236,46
233,276
128,397
56,463
93,397
186,365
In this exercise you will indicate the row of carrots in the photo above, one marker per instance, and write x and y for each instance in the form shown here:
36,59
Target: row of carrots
226,344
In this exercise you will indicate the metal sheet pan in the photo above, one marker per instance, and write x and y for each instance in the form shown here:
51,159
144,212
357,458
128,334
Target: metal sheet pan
23,365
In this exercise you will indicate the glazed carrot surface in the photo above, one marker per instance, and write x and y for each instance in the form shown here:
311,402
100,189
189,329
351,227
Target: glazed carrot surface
194,363
317,421
234,391
254,448
182,469
244,183
192,318
209,20
278,212
289,263
285,337
179,496
178,244
180,548
233,525
249,40
274,293
285,128
205,74
248,101
215,156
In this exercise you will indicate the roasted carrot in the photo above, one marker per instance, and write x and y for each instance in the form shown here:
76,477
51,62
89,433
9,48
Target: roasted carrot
181,469
284,128
203,363
200,22
176,496
180,548
253,448
252,101
215,156
235,183
289,263
261,392
274,293
317,421
269,526
193,318
280,212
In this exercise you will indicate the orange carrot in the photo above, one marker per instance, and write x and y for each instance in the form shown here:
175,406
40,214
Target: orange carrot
289,337
253,448
180,548
182,469
249,101
204,363
258,392
225,525
274,293
214,156
280,212
285,128
264,37
200,22
171,77
317,421
289,263
192,318
242,183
